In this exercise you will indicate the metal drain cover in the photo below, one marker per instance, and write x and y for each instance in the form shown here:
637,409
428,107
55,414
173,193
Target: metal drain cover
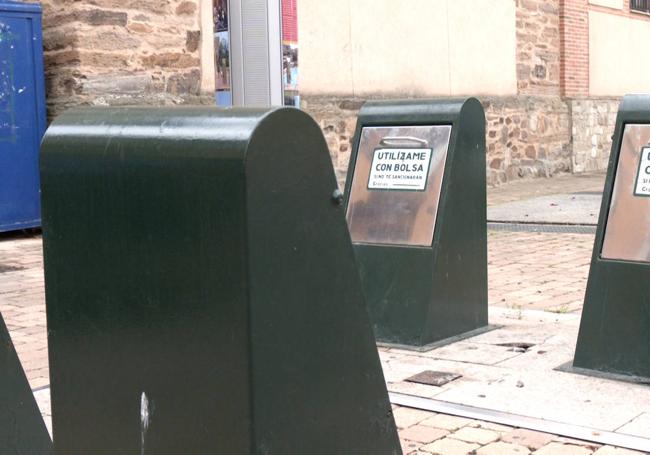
437,378
517,347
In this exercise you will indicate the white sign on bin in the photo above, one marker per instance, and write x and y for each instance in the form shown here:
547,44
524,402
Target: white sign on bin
642,186
400,169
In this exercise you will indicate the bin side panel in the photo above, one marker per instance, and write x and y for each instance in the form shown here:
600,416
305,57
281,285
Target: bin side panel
459,291
318,383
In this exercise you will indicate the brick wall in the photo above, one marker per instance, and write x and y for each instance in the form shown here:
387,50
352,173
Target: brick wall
574,38
121,52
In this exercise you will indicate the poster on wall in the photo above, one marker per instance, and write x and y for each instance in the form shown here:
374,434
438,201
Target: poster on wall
222,53
290,52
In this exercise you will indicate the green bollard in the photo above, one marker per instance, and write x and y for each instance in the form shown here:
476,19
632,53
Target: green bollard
202,296
416,209
614,337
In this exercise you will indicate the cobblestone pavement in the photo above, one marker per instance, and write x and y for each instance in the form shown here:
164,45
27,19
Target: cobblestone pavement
423,432
22,302
541,271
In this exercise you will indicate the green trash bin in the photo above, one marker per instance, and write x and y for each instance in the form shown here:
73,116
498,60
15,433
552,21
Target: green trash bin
202,295
614,335
416,210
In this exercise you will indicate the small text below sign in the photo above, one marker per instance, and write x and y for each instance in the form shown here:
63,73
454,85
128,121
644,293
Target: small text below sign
400,169
642,185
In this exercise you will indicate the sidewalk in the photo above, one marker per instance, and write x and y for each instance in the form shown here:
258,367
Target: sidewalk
567,199
537,282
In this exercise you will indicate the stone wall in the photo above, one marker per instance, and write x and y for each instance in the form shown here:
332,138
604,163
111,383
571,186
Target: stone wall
593,122
121,52
526,136
538,47
337,118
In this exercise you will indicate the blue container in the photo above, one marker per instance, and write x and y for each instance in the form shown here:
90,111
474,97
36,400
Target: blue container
22,114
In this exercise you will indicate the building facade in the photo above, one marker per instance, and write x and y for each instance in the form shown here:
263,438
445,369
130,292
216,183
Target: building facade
550,73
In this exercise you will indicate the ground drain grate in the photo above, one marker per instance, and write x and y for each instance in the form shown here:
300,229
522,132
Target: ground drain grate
436,378
546,228
517,346
10,268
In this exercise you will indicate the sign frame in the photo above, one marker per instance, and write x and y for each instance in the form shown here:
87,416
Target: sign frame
645,149
426,174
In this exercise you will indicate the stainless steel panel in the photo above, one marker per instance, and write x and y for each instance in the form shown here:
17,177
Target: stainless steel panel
404,210
627,232
256,52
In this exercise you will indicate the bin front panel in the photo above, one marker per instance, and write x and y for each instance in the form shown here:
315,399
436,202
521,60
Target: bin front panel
396,185
626,233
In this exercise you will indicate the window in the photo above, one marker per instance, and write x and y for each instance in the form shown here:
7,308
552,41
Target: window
640,5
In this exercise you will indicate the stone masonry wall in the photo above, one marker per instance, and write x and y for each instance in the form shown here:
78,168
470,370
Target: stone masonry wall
593,122
337,118
526,136
538,47
121,52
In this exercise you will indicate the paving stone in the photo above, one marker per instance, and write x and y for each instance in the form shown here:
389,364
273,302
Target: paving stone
409,447
477,435
423,434
503,448
446,422
449,446
528,438
557,448
406,417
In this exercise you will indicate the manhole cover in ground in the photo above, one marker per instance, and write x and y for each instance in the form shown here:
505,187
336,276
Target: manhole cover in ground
437,378
517,347
10,268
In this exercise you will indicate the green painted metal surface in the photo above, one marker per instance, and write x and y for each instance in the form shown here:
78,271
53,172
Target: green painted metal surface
422,295
614,332
22,430
202,296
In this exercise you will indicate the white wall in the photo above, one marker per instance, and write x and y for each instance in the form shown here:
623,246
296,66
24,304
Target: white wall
618,56
410,47
616,4
206,21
